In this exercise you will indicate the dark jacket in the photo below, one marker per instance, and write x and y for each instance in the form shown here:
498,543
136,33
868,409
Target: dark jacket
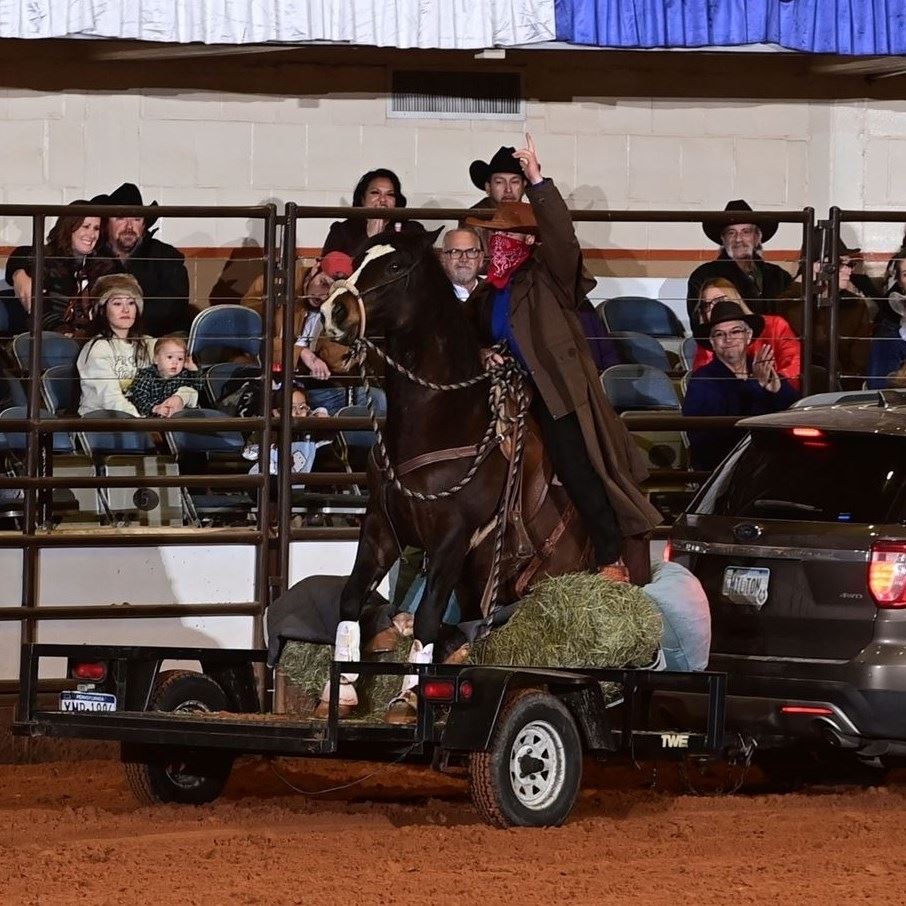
774,280
886,355
714,390
63,279
161,273
349,236
546,293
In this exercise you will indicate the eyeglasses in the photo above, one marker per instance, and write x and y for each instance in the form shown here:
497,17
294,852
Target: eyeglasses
300,410
456,254
722,336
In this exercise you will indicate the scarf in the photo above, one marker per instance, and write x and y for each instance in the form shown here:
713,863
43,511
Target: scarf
507,255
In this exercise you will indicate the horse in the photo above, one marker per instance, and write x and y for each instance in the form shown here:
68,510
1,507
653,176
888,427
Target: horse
445,473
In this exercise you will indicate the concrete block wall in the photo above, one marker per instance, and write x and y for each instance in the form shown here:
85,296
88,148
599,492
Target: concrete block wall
211,148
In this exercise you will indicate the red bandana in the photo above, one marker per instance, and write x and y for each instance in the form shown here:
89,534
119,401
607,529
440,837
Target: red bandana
506,256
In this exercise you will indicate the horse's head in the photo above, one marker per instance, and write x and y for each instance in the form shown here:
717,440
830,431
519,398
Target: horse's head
380,293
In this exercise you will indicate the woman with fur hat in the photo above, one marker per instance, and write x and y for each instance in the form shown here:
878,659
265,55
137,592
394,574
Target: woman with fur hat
71,265
735,382
534,287
110,360
378,188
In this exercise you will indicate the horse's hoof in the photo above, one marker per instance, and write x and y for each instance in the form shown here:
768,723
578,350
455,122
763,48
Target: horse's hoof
402,711
385,641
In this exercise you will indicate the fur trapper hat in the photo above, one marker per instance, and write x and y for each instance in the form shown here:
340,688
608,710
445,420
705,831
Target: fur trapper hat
111,285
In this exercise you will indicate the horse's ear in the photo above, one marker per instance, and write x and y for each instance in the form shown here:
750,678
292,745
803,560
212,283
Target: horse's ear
430,236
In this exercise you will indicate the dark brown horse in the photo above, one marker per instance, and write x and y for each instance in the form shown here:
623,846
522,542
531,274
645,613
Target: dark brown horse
435,439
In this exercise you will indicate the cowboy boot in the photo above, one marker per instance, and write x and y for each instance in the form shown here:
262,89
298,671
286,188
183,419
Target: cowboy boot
346,648
404,708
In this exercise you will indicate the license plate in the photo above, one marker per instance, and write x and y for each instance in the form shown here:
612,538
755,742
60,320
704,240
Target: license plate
87,701
746,585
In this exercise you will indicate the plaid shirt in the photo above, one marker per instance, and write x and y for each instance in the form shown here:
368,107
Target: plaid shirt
149,388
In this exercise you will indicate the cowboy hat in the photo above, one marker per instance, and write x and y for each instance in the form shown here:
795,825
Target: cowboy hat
111,285
514,216
502,162
714,230
726,310
127,194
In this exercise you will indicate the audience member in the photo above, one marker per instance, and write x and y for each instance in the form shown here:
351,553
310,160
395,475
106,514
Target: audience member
777,332
736,382
854,319
894,282
160,269
378,188
500,178
71,265
887,352
155,390
119,349
740,262
461,257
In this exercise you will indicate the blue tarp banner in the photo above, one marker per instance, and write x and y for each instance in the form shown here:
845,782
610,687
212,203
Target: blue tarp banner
815,26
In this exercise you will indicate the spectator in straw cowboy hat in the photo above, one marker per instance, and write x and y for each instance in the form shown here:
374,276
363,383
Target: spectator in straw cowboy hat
534,286
160,269
735,382
740,261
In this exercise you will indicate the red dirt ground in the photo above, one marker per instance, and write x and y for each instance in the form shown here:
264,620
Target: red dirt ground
71,833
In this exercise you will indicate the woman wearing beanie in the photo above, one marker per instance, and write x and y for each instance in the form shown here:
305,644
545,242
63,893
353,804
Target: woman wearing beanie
111,358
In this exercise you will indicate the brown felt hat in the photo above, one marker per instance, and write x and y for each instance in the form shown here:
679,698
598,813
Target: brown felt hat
514,216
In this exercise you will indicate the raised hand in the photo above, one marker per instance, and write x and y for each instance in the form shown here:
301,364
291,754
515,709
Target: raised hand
528,160
764,369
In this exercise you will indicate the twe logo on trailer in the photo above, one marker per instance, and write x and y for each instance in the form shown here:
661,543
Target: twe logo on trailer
674,740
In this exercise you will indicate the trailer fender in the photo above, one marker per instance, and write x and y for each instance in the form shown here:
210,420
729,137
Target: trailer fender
470,724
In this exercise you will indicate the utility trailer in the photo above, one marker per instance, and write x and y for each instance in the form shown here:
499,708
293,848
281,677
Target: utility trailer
518,734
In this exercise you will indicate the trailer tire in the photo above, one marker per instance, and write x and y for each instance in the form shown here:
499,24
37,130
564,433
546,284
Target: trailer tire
533,731
161,774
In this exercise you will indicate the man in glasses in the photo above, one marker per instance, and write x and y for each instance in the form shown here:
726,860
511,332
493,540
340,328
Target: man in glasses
759,283
462,257
735,382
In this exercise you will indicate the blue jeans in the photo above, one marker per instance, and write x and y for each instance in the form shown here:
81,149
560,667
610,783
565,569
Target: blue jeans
334,398
416,593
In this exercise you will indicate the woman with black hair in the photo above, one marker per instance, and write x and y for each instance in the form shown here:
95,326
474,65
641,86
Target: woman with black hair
71,265
378,188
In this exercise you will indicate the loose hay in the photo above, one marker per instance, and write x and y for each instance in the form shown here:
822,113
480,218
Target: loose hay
577,620
307,667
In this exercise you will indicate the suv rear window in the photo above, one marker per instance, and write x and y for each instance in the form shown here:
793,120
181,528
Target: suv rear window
829,478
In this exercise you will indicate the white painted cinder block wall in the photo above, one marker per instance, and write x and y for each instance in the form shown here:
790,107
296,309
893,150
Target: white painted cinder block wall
203,148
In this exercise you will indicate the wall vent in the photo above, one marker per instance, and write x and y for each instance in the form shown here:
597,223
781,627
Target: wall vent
456,95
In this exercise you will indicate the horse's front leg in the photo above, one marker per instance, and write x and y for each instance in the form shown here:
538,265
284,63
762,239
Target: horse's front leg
444,569
375,555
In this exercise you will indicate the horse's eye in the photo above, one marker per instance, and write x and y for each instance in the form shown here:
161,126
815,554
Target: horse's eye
394,266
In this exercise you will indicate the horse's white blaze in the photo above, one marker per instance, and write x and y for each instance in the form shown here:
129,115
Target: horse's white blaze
349,285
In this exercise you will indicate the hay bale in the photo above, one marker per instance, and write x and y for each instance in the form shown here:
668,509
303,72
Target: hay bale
307,667
577,620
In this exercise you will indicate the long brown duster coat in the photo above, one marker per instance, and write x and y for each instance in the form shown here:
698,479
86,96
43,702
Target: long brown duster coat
546,292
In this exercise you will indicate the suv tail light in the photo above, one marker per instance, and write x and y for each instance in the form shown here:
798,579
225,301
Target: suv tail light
887,573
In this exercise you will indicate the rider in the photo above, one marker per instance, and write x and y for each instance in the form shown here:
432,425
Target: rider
534,286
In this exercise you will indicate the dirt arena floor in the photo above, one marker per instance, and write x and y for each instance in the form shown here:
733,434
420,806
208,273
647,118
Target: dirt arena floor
71,833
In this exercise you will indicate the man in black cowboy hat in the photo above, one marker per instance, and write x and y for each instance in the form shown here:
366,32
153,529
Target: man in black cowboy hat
740,262
500,178
159,268
735,382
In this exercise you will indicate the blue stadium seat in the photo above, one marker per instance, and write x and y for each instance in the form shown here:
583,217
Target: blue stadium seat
640,314
231,327
632,388
640,349
55,350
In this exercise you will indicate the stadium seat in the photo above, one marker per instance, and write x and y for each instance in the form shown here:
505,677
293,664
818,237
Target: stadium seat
639,388
640,314
221,331
688,351
55,350
60,388
640,349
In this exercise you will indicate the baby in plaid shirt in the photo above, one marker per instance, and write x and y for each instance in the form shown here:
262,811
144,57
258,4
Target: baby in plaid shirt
170,384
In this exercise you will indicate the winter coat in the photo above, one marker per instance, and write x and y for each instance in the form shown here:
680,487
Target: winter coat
350,236
774,280
161,273
887,354
715,390
546,293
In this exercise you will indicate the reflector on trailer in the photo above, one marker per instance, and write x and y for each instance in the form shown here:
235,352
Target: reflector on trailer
438,690
94,671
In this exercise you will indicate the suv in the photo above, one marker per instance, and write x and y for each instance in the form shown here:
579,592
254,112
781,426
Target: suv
799,539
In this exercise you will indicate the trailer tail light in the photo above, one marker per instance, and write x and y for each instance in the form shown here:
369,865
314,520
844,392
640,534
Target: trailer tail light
668,551
887,573
90,671
438,690
466,690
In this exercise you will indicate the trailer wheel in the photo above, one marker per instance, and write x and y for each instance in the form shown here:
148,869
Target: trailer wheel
160,774
531,773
